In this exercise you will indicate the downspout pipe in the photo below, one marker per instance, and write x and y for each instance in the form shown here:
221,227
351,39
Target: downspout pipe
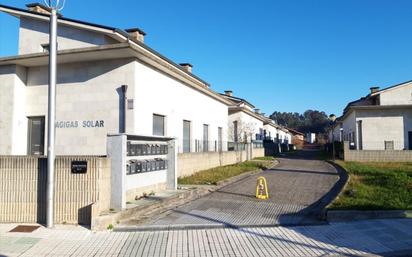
124,92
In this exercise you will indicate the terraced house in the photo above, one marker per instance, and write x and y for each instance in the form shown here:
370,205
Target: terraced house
109,81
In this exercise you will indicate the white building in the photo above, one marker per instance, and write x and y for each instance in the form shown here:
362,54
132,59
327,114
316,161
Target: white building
245,122
277,133
109,81
382,120
310,138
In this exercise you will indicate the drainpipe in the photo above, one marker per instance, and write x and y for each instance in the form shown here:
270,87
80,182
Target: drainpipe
124,90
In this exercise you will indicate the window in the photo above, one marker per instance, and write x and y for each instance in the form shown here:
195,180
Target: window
158,125
205,138
36,135
389,145
186,136
235,129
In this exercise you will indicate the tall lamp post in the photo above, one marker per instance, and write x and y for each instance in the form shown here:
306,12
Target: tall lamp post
332,118
55,6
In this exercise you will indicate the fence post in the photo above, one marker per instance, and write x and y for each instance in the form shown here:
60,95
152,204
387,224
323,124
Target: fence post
346,150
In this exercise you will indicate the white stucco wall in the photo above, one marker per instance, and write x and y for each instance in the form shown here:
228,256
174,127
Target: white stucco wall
33,33
157,93
335,134
288,137
349,126
273,131
282,136
85,92
397,96
379,126
246,124
12,119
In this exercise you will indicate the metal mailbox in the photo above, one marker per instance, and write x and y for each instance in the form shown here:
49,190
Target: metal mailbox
162,164
144,166
153,164
157,163
138,167
148,165
129,149
144,149
150,149
132,167
138,149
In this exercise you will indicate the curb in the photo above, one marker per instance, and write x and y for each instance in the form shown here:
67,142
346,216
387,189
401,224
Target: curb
150,228
336,190
352,215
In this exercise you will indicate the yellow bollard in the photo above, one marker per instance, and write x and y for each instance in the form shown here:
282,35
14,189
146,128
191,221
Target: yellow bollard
262,189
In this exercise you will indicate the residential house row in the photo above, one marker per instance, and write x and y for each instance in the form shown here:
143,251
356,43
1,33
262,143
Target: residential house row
109,81
382,120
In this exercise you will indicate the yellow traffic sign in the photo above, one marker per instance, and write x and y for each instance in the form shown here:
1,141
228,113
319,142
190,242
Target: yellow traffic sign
262,189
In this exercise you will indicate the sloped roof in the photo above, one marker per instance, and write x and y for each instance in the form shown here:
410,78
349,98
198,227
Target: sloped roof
113,32
237,100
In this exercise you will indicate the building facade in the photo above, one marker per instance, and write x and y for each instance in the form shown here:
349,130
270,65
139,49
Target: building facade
245,122
382,120
109,81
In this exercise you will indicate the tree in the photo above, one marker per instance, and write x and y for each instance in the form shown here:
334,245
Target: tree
243,133
310,121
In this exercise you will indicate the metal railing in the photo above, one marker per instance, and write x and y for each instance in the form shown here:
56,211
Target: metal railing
197,145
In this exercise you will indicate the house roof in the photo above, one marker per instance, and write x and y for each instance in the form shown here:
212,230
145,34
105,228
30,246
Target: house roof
105,52
235,109
391,87
116,33
237,100
295,131
368,99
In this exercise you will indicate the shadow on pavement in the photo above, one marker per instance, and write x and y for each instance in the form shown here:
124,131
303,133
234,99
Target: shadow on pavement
327,239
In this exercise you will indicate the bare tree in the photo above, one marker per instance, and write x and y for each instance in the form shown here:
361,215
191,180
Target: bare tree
243,133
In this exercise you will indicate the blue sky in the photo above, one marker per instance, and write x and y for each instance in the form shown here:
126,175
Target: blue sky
280,55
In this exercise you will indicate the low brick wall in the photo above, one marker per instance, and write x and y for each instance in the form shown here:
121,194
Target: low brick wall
376,155
23,189
190,163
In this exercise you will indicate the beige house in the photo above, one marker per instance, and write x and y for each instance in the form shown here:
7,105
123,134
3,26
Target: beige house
382,120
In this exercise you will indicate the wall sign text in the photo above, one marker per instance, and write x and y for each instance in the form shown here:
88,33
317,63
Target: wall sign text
80,124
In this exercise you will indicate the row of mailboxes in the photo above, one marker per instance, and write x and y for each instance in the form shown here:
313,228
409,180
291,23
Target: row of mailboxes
145,149
137,166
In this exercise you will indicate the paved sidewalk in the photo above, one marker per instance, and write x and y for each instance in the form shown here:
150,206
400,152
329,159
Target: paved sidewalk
361,238
299,188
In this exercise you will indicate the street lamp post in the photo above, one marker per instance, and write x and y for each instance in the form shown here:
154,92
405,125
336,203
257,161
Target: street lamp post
54,6
332,118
